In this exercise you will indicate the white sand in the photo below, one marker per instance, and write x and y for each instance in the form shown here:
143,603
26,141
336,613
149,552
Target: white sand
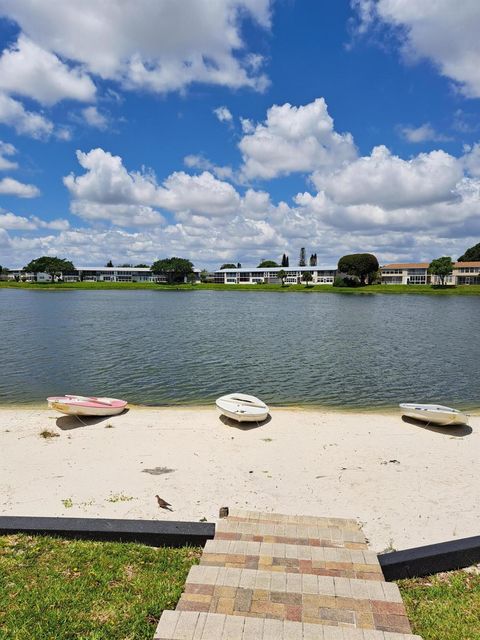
302,461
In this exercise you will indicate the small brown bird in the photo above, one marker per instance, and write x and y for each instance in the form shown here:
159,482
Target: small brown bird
163,504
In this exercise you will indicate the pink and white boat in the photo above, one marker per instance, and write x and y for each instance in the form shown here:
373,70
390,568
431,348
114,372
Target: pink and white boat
86,406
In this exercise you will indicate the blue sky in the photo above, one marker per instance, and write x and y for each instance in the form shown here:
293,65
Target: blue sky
238,130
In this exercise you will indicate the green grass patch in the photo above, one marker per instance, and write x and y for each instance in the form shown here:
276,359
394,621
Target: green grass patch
119,497
54,589
464,290
445,606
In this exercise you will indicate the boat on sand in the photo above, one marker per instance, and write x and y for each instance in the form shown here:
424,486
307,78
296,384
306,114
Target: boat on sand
434,414
86,406
242,407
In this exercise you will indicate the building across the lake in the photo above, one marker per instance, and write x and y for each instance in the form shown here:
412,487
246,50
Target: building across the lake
97,274
269,275
410,273
112,274
417,273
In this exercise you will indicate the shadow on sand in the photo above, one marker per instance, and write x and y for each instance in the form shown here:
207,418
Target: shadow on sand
67,423
244,426
456,431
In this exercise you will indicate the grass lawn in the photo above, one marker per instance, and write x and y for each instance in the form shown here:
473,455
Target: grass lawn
445,606
54,589
464,290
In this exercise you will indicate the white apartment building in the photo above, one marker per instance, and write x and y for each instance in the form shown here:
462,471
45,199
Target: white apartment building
97,274
320,275
417,273
406,273
111,274
467,272
411,273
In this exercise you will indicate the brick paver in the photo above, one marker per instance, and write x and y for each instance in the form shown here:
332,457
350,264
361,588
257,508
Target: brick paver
290,533
289,558
281,576
192,625
258,516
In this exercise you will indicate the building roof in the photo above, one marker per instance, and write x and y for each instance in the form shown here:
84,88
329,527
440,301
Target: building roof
273,269
112,269
407,265
459,265
425,265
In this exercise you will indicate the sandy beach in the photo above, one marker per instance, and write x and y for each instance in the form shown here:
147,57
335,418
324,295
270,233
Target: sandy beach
408,485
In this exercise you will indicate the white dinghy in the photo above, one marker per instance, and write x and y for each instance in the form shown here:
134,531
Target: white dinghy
86,406
434,414
242,407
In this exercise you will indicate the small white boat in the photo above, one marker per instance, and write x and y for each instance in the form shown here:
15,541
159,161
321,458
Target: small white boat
242,407
434,414
86,406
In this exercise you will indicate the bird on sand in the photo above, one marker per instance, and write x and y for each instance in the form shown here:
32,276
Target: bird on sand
163,504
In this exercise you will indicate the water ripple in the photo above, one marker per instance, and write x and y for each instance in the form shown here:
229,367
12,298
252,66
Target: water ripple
167,347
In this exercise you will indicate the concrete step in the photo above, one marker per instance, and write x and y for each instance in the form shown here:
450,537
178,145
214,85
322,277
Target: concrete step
290,558
290,533
364,604
190,625
285,518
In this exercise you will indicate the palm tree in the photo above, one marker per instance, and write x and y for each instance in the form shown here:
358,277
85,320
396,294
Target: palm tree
282,275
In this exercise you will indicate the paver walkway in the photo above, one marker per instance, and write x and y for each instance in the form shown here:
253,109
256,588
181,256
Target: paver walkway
269,576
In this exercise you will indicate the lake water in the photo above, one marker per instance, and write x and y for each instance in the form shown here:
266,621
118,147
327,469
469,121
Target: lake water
178,347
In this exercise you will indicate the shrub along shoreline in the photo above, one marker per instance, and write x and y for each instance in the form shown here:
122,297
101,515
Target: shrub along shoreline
462,290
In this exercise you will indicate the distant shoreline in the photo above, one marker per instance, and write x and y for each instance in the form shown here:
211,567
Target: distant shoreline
391,289
41,405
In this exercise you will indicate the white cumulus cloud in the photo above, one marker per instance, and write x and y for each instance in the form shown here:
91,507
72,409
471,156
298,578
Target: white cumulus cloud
294,139
107,181
399,208
471,160
388,181
108,190
95,118
161,46
202,194
10,221
121,215
223,114
13,222
28,70
423,133
442,31
14,114
7,149
200,162
12,187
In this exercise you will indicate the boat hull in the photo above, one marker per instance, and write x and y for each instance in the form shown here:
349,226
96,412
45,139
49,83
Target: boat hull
434,414
80,406
239,417
242,408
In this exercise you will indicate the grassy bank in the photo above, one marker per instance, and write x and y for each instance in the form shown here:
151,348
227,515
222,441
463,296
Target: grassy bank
465,290
445,606
52,588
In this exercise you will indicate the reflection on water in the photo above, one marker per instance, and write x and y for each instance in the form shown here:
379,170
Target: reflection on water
157,347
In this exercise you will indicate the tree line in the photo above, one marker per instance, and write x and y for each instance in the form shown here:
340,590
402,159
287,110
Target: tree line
358,269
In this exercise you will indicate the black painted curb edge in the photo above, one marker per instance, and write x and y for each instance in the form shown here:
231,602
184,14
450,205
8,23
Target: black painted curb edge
409,563
433,558
156,533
